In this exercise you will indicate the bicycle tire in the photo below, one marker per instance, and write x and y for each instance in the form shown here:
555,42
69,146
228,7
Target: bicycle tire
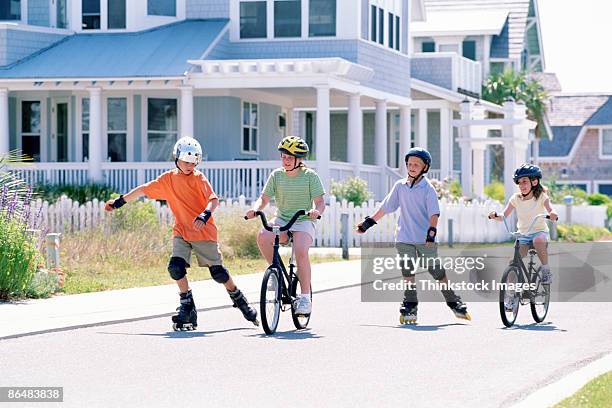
508,320
270,295
538,315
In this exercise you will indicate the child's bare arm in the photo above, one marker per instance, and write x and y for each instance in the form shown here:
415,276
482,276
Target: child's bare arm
507,211
550,210
259,205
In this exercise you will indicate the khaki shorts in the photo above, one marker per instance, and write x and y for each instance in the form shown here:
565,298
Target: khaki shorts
306,226
206,252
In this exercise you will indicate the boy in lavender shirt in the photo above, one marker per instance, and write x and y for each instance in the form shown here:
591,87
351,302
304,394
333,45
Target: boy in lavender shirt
416,231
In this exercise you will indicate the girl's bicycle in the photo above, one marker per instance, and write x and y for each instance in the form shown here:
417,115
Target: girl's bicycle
279,289
522,284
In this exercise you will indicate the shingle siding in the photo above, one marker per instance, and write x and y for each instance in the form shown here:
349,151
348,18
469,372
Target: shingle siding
207,9
16,45
437,71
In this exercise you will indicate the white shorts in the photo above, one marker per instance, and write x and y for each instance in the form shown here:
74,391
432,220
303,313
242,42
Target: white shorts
306,226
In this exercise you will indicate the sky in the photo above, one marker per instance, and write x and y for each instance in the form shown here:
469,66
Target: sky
577,40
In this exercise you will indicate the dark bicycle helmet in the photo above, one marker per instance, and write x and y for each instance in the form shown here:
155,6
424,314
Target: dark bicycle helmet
422,154
527,170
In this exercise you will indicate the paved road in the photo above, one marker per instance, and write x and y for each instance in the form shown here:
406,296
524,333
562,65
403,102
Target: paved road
354,354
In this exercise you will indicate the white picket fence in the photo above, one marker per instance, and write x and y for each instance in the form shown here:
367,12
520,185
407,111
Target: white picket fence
469,219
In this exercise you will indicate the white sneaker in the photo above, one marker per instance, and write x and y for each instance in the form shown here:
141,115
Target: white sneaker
303,305
546,275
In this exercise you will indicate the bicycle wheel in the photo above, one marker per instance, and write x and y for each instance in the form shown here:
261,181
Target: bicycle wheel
299,321
509,298
540,300
270,300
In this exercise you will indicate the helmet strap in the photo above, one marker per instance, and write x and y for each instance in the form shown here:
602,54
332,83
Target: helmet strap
294,164
419,176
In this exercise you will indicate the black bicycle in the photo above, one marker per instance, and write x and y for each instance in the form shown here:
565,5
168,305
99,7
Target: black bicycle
279,289
522,284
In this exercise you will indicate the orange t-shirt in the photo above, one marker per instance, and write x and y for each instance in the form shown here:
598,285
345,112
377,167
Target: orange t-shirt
187,196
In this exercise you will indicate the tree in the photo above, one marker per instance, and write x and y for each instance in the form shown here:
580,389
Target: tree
501,86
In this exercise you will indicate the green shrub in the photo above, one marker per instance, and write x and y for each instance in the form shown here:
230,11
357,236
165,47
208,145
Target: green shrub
19,257
134,216
237,237
495,190
455,189
354,190
557,192
82,193
580,233
598,199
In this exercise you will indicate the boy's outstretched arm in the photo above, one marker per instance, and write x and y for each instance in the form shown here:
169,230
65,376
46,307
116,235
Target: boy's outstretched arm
370,221
124,199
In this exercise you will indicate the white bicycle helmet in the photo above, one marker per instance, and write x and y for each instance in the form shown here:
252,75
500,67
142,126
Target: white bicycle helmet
187,149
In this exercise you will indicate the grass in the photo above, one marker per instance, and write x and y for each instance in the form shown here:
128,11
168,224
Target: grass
597,393
102,259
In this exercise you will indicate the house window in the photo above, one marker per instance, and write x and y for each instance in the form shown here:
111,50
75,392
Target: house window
287,18
85,128
605,189
10,10
322,18
391,36
116,13
162,128
30,129
606,143
469,50
61,14
381,26
309,126
117,129
373,20
249,127
397,33
253,20
428,46
91,14
161,8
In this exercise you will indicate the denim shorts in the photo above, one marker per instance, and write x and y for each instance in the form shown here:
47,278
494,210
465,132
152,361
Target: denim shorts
528,239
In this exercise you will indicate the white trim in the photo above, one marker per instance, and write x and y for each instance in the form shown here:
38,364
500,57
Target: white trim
603,156
249,126
447,94
572,153
597,183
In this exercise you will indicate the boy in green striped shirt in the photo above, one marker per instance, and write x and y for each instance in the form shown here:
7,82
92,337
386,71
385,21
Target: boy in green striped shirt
294,188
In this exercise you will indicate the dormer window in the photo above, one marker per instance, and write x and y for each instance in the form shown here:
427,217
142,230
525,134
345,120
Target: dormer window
10,10
116,14
91,14
287,18
322,21
161,8
253,19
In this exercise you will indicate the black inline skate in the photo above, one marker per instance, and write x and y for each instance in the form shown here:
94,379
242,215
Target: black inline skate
241,303
187,316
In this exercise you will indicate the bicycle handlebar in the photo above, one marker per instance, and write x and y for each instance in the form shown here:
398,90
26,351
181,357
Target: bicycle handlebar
285,227
516,233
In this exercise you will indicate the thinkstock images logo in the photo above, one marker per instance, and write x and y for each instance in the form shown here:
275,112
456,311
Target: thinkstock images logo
581,272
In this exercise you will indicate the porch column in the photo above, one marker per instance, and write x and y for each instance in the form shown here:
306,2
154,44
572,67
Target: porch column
322,143
478,163
421,136
516,141
380,133
4,122
445,143
95,134
186,111
354,138
405,137
289,123
466,151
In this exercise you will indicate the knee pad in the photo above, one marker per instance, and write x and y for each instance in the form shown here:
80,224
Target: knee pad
219,273
437,271
177,268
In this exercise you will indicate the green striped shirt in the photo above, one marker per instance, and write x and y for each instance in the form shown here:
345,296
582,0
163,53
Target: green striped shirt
293,193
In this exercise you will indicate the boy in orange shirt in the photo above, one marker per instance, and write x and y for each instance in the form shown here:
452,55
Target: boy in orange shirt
192,201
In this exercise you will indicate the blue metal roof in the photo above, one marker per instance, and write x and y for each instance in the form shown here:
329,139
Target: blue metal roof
603,116
561,143
159,52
